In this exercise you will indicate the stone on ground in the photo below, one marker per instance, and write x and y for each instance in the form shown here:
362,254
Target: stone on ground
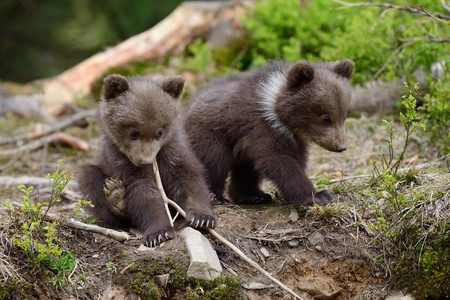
204,262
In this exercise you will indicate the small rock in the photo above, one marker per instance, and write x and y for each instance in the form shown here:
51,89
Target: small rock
399,296
162,279
318,248
293,215
136,232
316,238
326,167
113,292
293,243
142,249
265,252
204,263
320,289
95,256
255,286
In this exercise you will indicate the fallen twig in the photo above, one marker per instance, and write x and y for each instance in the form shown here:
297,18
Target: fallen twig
417,10
163,193
51,129
56,138
40,182
126,268
119,236
405,169
73,271
363,223
10,163
219,237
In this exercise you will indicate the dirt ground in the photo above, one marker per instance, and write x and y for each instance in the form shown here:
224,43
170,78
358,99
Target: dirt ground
319,256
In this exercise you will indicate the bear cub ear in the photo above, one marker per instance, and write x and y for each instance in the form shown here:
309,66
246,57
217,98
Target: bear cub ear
344,68
114,85
299,74
172,85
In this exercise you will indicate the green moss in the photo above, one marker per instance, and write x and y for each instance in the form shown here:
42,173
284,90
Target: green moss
139,279
424,270
223,287
14,289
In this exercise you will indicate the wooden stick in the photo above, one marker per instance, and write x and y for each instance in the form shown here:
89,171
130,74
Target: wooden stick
162,192
119,236
219,237
417,10
56,138
40,182
51,129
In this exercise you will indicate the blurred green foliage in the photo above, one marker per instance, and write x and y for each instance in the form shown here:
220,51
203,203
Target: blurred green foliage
383,43
436,110
43,38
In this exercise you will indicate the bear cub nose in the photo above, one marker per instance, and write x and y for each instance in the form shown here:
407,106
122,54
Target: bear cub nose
341,148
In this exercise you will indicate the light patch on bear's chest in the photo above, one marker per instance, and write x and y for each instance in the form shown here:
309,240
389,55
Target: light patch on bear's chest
268,91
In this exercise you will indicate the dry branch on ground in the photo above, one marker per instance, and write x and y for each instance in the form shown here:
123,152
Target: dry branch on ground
187,22
119,236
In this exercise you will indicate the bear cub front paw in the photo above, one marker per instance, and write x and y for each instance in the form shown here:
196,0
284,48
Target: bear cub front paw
201,220
321,198
152,239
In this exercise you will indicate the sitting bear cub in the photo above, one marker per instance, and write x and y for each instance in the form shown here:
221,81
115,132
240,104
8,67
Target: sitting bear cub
258,125
138,117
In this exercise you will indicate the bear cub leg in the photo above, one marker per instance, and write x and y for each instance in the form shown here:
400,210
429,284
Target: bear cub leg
146,211
244,185
91,179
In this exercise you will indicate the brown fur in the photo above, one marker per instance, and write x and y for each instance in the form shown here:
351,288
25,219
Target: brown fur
258,125
138,118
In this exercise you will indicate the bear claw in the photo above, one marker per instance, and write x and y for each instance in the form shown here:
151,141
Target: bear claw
153,240
202,221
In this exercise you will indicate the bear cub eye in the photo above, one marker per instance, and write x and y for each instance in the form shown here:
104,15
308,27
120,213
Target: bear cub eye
159,134
326,120
134,134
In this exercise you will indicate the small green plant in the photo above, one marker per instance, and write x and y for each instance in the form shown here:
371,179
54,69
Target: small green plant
410,121
38,238
416,240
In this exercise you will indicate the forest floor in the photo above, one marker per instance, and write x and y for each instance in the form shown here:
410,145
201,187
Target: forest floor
319,252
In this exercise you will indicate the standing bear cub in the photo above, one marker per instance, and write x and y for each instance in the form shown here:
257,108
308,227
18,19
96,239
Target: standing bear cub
138,117
258,125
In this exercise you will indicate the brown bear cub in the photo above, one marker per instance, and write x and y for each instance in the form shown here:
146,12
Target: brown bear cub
139,121
258,125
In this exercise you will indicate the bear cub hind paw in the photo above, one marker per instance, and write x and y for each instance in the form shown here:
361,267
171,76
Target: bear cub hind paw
258,198
114,192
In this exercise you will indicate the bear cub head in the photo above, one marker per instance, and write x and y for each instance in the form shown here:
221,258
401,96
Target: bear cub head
313,102
138,113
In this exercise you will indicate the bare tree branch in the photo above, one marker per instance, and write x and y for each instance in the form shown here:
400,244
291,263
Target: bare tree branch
40,182
119,236
56,138
445,6
418,10
51,129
